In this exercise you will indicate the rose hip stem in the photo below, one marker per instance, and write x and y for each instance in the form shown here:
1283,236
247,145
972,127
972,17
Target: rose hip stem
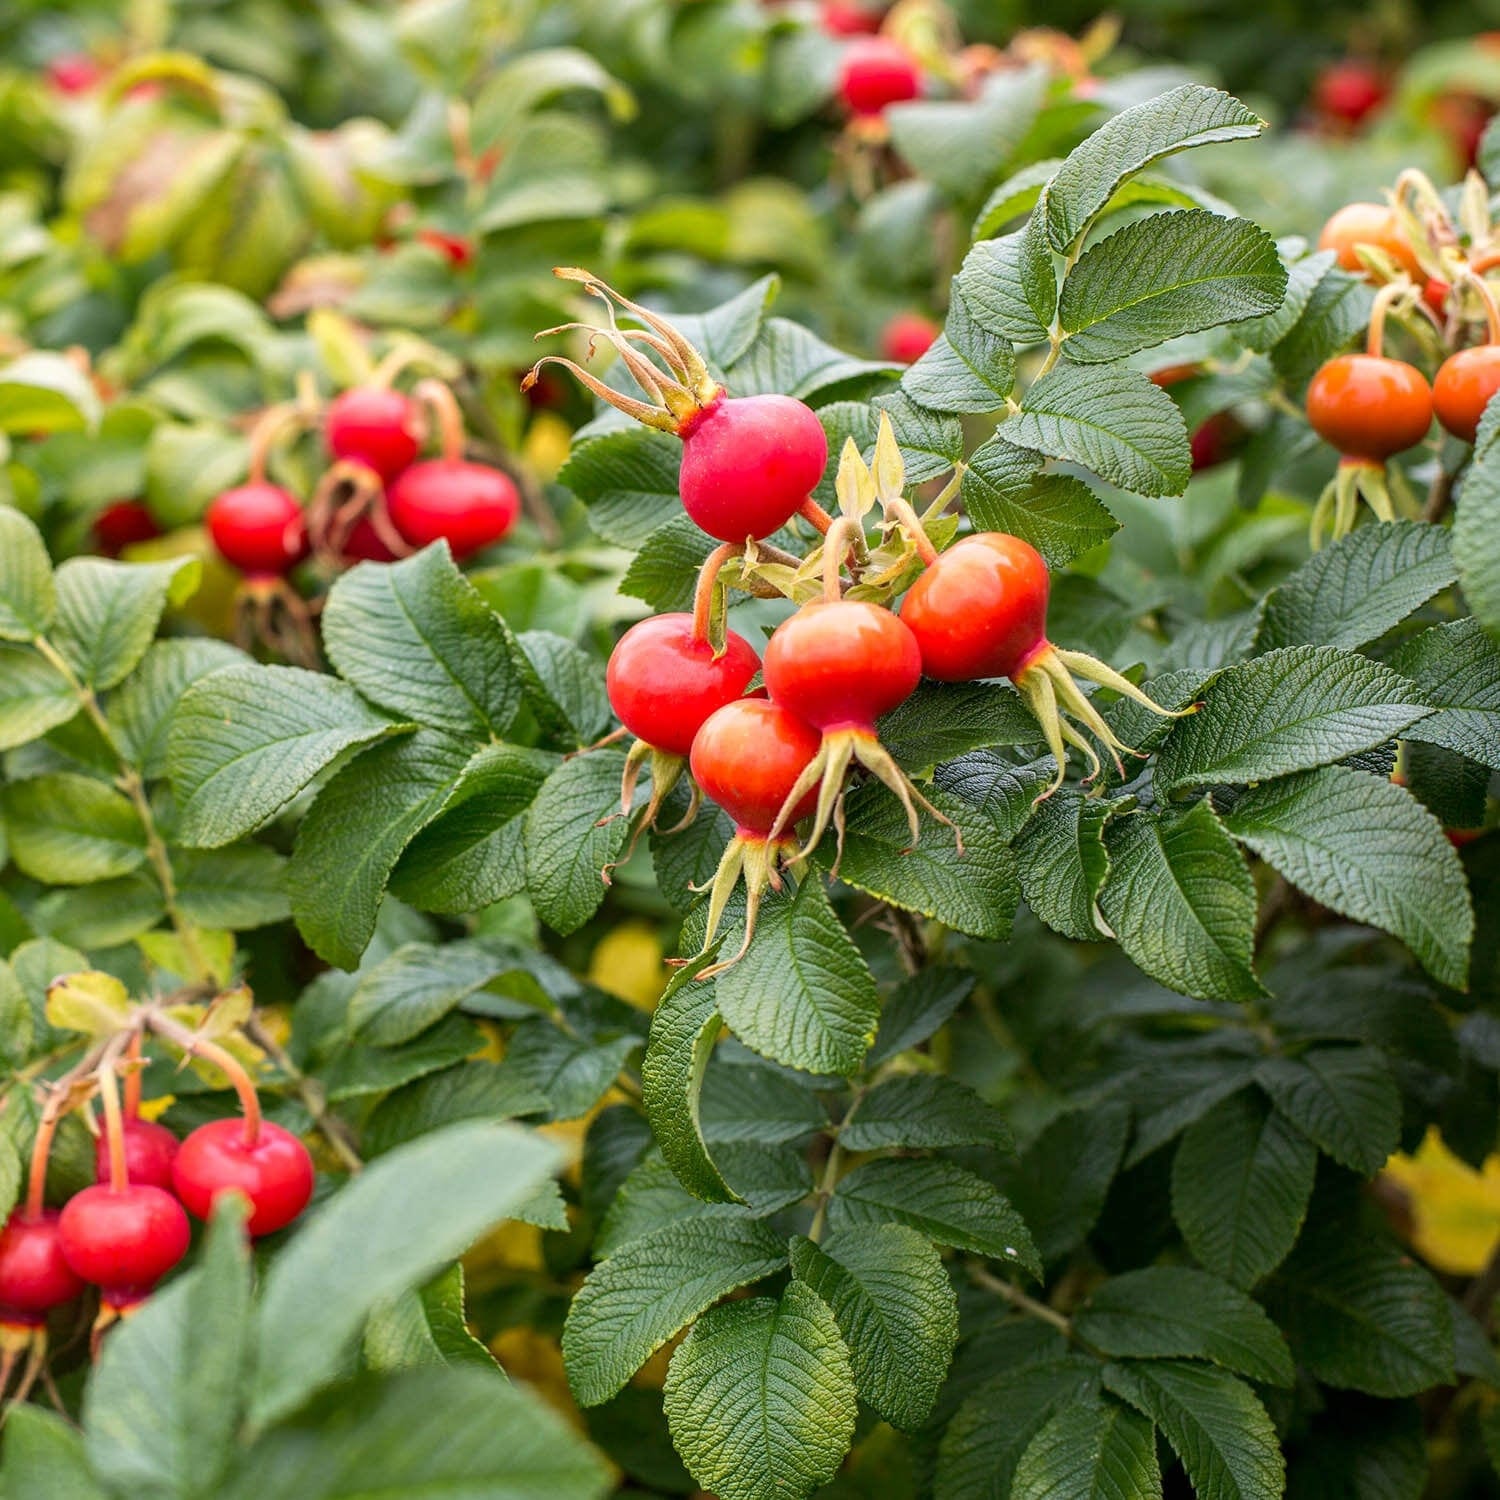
703,590
448,415
199,1046
114,1121
133,1076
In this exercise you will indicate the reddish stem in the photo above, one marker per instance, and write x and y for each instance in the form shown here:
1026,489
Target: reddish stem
133,1077
1487,297
443,405
814,513
1388,294
41,1150
263,437
226,1062
902,511
703,592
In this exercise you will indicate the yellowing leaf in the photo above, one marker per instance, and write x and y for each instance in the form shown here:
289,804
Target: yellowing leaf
628,962
91,1002
1455,1210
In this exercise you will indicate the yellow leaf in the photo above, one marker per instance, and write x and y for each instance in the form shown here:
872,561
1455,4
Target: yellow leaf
1455,1209
94,1003
628,962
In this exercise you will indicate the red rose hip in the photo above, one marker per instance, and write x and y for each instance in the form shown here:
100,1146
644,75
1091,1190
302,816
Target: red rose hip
274,1172
149,1152
467,505
377,426
35,1276
123,1240
258,528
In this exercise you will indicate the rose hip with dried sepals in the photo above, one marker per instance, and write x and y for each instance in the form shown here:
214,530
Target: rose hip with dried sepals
749,463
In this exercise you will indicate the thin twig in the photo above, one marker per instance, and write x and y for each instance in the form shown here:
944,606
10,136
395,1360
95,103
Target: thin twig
1020,1301
310,1092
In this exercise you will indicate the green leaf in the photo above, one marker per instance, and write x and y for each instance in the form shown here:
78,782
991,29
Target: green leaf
1343,1098
356,831
788,358
970,368
1303,277
1476,529
1337,309
635,1300
803,994
67,829
354,1071
34,696
962,144
424,1328
1060,1184
1369,851
975,892
1173,1312
628,480
572,1073
107,612
1063,863
942,720
44,1458
573,830
1358,587
758,1103
662,572
471,1090
1289,710
921,1006
1359,1315
246,739
1090,1451
415,638
418,984
474,854
27,595
684,1028
237,888
1164,276
1010,284
564,686
1111,420
896,1310
939,1199
1241,1181
1214,1424
917,1110
42,392
986,1439
358,1250
1180,899
1191,115
1004,489
760,1397
141,710
421,1435
162,1409
1456,669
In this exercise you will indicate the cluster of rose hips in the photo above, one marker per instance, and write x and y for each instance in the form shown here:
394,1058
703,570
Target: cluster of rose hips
126,1232
379,500
1370,406
679,682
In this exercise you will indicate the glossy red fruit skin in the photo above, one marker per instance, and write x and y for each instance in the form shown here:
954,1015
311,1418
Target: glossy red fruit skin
1369,407
1463,386
124,1241
258,528
34,1275
122,524
663,685
841,664
468,505
748,463
1214,441
379,427
1358,224
1435,294
149,1152
875,72
275,1174
848,18
980,610
907,337
1350,90
747,758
